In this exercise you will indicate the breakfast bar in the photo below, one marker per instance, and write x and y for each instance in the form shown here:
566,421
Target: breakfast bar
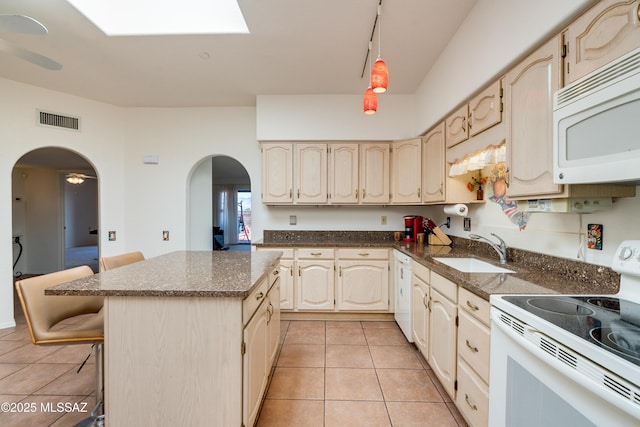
190,336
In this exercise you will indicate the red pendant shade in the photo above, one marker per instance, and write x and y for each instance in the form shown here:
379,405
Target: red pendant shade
379,76
370,101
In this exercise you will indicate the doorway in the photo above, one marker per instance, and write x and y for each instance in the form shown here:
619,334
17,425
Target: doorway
231,187
55,217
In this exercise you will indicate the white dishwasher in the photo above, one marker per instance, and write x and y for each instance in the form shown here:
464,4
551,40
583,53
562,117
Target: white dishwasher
402,289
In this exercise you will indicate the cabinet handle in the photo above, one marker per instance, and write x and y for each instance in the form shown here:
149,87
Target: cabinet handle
316,253
464,120
425,302
472,306
299,272
276,272
466,398
357,194
291,271
419,191
291,193
340,272
364,254
260,295
298,193
429,304
470,119
441,192
364,194
474,349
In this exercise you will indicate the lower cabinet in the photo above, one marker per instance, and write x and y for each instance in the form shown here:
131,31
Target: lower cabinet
420,294
442,335
261,337
363,280
316,283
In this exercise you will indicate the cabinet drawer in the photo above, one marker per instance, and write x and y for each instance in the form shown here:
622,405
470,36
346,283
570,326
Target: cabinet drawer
473,344
421,272
363,253
252,302
316,253
472,399
445,286
474,305
287,253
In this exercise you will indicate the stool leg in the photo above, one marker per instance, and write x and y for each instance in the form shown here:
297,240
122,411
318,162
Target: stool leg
97,415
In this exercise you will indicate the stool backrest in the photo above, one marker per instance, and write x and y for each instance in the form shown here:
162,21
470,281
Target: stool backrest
44,311
109,263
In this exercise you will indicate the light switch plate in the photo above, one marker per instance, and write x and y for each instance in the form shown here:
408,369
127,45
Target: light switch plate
467,224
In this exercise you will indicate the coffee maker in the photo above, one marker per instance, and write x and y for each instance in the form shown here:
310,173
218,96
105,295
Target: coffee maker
412,226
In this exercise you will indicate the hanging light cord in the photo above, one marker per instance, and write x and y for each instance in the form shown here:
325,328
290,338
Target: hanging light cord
373,32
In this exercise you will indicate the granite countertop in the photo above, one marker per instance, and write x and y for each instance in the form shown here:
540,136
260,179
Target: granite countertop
182,274
533,273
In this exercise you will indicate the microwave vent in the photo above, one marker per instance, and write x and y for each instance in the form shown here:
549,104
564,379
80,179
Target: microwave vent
58,120
603,77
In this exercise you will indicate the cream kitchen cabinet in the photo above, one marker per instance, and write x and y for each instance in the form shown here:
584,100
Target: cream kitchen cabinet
457,126
529,89
433,166
315,287
420,293
363,280
374,173
310,173
603,33
259,346
287,282
442,331
277,173
344,185
406,171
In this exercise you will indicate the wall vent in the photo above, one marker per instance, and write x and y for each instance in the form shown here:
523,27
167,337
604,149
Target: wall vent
58,120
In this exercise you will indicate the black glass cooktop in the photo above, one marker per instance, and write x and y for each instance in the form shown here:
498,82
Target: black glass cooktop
608,322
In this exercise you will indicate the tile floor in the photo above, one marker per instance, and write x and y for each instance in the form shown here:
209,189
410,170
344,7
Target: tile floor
355,374
327,374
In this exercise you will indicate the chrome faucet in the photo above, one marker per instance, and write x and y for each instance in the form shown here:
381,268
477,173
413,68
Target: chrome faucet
500,248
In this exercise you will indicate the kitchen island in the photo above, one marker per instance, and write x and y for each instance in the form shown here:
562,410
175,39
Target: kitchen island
190,337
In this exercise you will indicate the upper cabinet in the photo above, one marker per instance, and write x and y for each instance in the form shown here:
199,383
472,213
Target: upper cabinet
485,110
374,173
310,168
343,173
603,33
456,126
277,173
406,171
433,165
529,89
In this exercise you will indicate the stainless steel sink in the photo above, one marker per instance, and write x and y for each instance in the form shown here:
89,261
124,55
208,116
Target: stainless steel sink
472,265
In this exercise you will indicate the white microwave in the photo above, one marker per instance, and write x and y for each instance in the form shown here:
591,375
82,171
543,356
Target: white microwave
596,125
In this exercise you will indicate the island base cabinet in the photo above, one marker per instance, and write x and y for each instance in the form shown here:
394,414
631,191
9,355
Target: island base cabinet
255,358
173,361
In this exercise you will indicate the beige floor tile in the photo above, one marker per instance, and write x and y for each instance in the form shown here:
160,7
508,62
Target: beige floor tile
301,356
456,415
385,336
9,368
353,336
20,333
420,414
407,385
352,384
43,411
343,324
9,345
311,335
295,325
436,381
297,383
395,356
28,354
348,356
74,354
72,383
291,413
339,413
385,324
32,378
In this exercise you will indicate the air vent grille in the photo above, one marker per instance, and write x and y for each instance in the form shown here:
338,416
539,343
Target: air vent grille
58,120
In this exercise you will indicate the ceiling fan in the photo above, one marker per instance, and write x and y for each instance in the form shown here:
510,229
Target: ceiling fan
22,24
77,178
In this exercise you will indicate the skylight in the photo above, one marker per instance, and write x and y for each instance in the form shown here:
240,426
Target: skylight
162,17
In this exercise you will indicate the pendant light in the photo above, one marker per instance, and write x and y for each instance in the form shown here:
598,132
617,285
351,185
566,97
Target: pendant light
370,97
379,72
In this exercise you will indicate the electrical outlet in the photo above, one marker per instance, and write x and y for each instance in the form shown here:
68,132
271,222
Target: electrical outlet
383,220
293,219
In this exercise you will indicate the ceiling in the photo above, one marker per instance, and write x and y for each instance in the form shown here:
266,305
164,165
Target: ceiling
296,47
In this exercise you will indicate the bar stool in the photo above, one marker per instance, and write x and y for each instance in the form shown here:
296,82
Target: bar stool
43,312
109,263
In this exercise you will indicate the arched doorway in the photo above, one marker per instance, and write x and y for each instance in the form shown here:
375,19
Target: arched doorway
220,205
54,212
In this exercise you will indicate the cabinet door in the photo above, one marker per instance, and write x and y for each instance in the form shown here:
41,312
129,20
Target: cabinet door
472,396
473,344
603,33
485,110
363,285
273,322
456,127
287,279
316,280
311,173
442,336
433,166
420,315
277,173
529,89
374,173
406,171
254,364
343,173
